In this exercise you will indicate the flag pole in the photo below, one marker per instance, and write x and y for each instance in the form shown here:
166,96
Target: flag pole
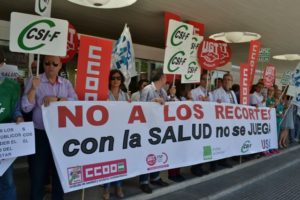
174,80
38,65
82,194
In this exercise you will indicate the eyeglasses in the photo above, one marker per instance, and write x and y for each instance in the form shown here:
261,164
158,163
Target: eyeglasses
115,78
51,63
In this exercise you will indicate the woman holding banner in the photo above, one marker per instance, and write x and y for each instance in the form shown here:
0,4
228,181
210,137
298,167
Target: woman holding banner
43,90
116,85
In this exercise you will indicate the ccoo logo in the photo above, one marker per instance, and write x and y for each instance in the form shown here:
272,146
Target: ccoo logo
40,31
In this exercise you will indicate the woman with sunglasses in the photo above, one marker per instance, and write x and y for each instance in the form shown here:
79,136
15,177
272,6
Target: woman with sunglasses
116,93
43,90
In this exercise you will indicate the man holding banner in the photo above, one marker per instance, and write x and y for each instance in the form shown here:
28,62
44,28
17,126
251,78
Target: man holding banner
41,91
154,93
9,111
225,95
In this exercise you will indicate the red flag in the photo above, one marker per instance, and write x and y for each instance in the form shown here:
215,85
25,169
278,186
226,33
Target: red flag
198,27
93,68
244,84
253,57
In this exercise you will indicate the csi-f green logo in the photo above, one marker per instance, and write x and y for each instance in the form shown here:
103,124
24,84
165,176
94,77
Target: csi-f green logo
43,5
34,32
177,59
179,35
192,68
246,146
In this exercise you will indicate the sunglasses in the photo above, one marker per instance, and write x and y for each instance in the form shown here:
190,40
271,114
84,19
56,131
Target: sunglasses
116,78
51,63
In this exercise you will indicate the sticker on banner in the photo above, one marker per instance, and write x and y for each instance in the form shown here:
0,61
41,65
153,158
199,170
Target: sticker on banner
157,161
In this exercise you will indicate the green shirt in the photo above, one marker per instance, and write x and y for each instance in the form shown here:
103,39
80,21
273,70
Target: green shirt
9,96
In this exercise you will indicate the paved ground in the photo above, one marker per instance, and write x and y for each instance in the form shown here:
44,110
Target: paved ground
274,177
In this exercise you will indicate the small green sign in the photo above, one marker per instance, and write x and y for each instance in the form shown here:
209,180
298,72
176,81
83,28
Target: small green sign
264,55
207,153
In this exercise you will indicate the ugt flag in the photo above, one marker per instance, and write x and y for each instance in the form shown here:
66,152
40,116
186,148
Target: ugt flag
123,56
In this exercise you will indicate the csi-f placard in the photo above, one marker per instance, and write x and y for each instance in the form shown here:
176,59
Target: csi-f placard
43,7
175,60
179,35
191,73
39,35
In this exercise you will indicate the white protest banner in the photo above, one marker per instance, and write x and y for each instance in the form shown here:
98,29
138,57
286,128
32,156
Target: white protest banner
296,99
16,140
286,78
40,35
175,61
43,7
96,142
9,71
191,73
292,91
296,76
179,35
4,164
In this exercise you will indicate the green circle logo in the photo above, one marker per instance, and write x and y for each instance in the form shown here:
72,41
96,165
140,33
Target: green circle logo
41,8
27,29
174,34
190,76
170,61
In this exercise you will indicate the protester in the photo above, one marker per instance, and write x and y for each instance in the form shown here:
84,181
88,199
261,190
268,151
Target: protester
174,174
201,94
43,90
116,84
257,99
218,83
270,102
141,84
225,95
236,90
154,93
10,111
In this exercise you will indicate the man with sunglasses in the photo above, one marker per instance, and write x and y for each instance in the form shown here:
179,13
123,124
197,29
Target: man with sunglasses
42,90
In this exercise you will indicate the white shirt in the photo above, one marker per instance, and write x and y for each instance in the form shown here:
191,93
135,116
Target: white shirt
257,99
223,96
136,96
199,92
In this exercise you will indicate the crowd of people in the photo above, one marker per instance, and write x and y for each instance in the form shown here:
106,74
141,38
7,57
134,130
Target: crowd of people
49,87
